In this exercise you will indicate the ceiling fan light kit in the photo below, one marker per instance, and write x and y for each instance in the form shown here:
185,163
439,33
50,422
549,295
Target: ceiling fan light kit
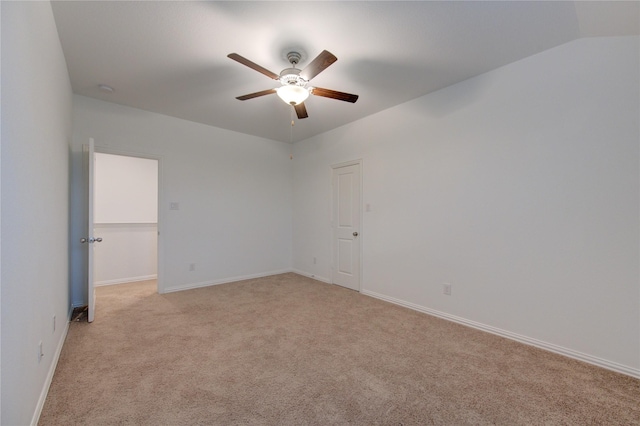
294,81
293,90
292,95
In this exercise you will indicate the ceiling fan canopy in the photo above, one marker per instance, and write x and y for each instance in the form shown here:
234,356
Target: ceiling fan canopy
293,89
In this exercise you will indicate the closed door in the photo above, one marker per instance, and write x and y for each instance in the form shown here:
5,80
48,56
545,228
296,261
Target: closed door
346,226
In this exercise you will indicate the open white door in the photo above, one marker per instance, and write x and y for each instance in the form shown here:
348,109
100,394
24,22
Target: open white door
346,225
89,240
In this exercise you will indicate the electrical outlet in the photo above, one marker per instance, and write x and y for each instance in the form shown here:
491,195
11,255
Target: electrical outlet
446,289
314,260
54,323
174,205
192,266
40,353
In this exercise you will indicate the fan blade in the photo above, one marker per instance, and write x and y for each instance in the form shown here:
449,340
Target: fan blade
319,64
256,94
301,110
253,65
341,96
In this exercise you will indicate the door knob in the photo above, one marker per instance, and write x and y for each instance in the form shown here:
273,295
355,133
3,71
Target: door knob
355,234
91,240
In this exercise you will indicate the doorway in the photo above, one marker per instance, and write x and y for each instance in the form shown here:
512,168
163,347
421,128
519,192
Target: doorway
346,220
126,219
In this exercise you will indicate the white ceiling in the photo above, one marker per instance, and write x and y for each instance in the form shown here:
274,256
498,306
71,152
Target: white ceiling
171,57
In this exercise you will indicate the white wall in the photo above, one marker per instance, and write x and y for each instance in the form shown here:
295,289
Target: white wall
128,252
234,194
36,130
126,218
125,189
519,187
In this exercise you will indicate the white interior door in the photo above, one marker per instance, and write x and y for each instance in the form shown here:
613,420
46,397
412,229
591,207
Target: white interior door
89,240
346,226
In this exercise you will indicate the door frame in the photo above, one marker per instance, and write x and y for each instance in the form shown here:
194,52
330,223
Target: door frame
161,216
331,227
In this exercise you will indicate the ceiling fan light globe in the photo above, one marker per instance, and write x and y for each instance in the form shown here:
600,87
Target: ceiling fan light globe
292,95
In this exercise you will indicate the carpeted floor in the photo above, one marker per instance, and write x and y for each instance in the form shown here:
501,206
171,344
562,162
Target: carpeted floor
288,350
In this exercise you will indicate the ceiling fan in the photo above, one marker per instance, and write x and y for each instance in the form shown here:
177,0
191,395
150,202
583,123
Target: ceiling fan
294,81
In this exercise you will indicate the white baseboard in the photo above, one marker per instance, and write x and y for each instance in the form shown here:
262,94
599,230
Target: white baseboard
52,370
225,281
609,365
125,280
310,275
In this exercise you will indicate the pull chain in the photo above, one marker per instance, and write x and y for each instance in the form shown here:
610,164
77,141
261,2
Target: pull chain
291,135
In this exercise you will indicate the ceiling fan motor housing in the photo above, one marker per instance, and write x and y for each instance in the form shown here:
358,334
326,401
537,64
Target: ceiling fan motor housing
291,76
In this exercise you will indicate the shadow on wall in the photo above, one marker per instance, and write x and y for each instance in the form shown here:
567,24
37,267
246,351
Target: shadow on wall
77,229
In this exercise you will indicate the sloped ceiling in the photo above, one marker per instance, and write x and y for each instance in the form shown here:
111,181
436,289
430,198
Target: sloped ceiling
171,57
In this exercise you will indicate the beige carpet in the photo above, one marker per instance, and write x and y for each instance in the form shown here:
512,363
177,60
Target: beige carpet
287,350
